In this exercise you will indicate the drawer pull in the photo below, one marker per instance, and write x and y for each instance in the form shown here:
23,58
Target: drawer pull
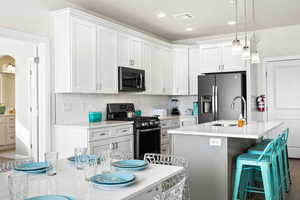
124,131
102,134
148,191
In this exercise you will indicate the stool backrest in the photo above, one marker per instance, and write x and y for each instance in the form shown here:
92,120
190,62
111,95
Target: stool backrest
270,149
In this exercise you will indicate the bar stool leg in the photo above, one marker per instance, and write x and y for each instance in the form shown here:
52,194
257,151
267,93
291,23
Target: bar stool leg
238,174
267,181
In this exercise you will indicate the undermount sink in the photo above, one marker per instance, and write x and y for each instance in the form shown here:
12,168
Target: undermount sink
224,124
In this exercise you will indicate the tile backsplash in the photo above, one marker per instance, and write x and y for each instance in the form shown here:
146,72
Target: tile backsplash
74,108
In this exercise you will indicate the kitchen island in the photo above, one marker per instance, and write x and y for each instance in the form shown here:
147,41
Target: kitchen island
211,150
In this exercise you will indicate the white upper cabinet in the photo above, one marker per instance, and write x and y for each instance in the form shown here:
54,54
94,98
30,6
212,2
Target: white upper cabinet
210,57
167,65
83,56
107,67
194,70
130,51
218,58
146,64
156,71
180,71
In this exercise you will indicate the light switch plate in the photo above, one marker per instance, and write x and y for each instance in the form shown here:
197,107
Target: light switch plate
215,142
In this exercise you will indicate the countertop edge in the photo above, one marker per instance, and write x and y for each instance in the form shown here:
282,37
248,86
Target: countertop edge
117,123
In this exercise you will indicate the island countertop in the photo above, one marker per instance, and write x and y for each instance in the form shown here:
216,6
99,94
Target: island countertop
253,130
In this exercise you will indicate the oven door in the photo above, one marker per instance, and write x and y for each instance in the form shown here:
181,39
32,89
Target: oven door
146,141
131,79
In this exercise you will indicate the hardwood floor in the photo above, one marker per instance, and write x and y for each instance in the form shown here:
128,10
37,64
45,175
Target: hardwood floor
294,193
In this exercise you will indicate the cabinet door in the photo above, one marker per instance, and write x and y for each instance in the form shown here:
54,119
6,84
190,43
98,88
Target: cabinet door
231,62
100,146
181,71
194,70
3,134
135,52
124,50
210,58
167,65
125,144
83,56
107,60
156,72
146,64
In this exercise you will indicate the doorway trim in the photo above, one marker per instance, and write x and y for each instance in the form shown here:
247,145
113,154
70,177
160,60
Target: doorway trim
45,80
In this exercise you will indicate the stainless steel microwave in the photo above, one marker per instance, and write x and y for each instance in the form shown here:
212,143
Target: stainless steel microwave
131,80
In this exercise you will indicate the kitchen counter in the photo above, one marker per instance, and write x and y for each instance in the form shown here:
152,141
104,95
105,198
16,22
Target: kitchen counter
102,124
253,130
176,117
211,152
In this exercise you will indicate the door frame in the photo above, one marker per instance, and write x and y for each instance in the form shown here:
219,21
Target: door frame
44,82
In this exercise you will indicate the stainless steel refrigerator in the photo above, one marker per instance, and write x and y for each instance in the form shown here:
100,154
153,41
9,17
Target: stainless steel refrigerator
215,95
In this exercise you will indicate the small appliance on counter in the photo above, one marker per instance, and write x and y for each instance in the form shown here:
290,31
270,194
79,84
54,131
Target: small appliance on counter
146,129
174,107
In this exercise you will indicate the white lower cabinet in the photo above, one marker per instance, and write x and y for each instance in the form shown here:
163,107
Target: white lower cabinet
97,139
7,132
167,124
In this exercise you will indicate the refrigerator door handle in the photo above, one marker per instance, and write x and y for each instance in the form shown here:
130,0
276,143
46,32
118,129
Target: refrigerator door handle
213,100
216,101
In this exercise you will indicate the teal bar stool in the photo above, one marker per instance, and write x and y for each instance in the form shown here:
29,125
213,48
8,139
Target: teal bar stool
246,166
282,157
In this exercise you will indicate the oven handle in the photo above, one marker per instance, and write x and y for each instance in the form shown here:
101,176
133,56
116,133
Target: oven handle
149,130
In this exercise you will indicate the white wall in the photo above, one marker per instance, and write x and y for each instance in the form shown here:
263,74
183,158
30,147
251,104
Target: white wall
74,108
21,52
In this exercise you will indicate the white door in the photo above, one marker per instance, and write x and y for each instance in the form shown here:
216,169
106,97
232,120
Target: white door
231,62
107,68
83,56
181,71
124,50
146,64
156,72
194,65
124,144
210,58
33,140
283,94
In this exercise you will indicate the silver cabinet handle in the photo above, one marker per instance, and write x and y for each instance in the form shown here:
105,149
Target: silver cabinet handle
111,146
213,99
216,100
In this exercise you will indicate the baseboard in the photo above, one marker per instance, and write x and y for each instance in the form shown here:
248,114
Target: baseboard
294,152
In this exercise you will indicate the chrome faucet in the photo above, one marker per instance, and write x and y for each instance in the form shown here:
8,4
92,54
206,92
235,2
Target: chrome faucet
245,105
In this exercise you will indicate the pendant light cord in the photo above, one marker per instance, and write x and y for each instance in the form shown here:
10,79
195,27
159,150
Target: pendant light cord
236,20
253,21
245,15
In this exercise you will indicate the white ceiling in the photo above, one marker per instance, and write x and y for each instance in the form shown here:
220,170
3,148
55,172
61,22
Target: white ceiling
210,16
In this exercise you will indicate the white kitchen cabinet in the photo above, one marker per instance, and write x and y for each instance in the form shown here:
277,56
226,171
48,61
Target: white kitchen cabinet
167,68
188,121
194,70
3,134
180,70
83,34
218,57
130,51
7,132
147,64
107,76
156,71
124,144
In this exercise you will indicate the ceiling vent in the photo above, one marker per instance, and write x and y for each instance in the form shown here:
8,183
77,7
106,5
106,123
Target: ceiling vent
183,16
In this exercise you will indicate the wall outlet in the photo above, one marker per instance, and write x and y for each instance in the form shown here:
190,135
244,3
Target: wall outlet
215,142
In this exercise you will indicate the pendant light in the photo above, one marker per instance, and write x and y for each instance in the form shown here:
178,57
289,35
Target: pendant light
255,59
246,54
236,44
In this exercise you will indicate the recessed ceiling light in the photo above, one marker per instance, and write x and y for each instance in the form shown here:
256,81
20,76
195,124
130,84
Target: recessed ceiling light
231,22
189,29
161,15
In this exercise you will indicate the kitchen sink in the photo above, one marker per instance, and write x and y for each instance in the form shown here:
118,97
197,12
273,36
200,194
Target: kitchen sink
224,124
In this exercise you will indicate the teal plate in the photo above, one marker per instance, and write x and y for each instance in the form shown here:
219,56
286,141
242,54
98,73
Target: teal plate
114,185
132,169
130,163
51,197
113,178
32,166
38,171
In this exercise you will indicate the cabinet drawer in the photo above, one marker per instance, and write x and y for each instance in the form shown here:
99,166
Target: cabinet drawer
175,123
11,139
100,134
123,131
11,120
164,123
11,128
164,149
3,120
164,136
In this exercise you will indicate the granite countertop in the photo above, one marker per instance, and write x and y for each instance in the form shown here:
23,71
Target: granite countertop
101,124
253,130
